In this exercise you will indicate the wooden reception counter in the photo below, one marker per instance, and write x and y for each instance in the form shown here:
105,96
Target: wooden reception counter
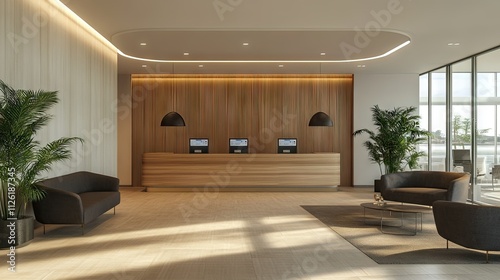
233,172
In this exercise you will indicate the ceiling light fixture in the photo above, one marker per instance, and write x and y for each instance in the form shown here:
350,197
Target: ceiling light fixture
144,66
281,66
201,66
186,53
361,66
173,119
320,119
322,53
143,44
453,44
246,44
267,61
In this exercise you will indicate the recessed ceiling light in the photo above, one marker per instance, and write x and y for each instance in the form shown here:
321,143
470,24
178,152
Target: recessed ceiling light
246,44
281,66
144,66
263,61
453,44
143,44
322,53
200,66
186,53
361,66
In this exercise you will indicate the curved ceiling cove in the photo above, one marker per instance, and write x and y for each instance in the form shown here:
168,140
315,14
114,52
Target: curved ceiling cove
257,46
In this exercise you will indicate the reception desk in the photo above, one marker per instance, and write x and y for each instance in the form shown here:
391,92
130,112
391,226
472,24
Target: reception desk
293,172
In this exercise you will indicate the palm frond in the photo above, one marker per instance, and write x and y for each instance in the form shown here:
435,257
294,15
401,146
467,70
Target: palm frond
393,144
22,114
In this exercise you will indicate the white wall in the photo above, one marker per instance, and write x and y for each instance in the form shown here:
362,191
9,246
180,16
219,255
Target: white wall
41,48
387,91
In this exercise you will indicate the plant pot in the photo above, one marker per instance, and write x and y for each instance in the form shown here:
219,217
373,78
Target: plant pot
16,232
376,185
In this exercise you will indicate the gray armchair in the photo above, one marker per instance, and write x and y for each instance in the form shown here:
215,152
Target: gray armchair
471,226
425,187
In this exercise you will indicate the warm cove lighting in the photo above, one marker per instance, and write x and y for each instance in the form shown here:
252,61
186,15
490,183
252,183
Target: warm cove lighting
72,14
265,61
68,12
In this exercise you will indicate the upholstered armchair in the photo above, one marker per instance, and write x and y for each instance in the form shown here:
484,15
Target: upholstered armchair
472,226
425,187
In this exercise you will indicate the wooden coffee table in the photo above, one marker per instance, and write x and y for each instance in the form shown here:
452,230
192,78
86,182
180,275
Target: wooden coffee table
415,210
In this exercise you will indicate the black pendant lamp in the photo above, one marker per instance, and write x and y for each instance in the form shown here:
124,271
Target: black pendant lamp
320,119
173,119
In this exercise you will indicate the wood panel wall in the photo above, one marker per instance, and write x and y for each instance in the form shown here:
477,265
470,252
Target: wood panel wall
261,108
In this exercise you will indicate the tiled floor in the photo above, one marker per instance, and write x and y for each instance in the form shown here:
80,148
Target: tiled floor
215,236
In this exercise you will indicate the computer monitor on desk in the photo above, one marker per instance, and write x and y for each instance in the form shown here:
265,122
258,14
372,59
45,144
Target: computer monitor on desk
198,146
287,145
238,145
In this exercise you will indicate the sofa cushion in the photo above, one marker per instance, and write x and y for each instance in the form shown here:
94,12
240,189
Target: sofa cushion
425,187
97,203
426,179
416,195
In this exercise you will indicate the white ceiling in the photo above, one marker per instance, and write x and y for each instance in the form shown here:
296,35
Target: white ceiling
284,30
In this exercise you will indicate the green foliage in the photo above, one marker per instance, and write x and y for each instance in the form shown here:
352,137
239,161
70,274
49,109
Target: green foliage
462,131
393,146
22,158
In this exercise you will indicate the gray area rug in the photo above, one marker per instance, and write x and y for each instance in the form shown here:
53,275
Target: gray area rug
427,247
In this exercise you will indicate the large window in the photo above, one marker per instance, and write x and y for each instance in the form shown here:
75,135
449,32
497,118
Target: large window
424,121
460,106
438,119
488,125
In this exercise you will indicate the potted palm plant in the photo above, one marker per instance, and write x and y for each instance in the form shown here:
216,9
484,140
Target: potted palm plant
394,144
23,159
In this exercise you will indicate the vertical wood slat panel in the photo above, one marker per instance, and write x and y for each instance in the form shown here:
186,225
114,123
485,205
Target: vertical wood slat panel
293,126
137,131
162,105
220,127
207,113
311,103
219,107
188,104
323,136
255,143
239,109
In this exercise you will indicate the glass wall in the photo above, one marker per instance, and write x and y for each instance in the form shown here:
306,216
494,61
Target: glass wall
461,116
488,120
463,99
438,120
424,119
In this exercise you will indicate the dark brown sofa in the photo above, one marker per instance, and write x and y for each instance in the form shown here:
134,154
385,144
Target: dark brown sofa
425,187
76,198
471,226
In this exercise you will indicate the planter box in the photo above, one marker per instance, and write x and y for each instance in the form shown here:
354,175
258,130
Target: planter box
22,233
